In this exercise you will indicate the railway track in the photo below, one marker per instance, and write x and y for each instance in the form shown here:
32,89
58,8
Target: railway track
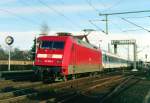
32,92
120,88
4,84
106,92
84,91
78,89
61,92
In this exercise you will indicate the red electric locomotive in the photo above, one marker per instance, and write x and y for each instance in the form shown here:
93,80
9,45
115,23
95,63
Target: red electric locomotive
65,55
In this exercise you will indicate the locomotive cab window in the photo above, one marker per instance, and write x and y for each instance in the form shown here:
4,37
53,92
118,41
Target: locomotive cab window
52,44
58,45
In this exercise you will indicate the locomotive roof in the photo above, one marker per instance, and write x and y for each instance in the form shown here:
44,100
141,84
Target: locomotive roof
77,38
49,36
79,41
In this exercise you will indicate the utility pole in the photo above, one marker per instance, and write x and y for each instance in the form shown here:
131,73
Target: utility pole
100,41
135,57
128,53
106,19
109,48
119,13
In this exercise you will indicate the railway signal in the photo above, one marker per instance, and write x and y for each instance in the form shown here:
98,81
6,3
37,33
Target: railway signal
9,41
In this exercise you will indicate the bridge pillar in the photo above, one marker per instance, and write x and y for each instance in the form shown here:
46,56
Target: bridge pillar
115,48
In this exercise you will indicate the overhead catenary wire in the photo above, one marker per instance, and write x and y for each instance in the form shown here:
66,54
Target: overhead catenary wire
131,30
91,5
135,24
27,4
118,27
59,13
23,2
121,13
114,24
97,26
63,3
39,12
89,2
112,6
137,17
20,17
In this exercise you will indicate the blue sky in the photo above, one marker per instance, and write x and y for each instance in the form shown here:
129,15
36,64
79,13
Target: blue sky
23,19
29,15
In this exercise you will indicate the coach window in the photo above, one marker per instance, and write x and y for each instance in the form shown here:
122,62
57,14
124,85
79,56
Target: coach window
106,58
113,59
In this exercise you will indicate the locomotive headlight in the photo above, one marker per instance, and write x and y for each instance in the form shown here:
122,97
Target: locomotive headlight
57,56
42,55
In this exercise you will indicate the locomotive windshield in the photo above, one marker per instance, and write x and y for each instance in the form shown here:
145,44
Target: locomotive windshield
52,44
